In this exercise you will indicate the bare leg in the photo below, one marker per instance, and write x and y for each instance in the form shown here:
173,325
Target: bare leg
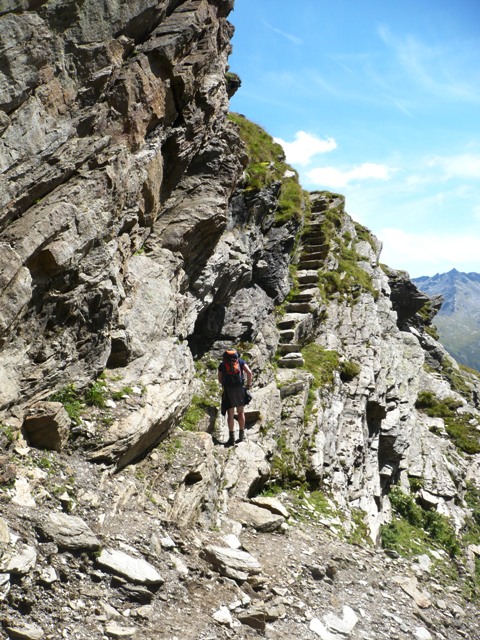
241,418
230,418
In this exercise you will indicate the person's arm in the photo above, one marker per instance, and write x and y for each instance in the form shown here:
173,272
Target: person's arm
220,377
248,371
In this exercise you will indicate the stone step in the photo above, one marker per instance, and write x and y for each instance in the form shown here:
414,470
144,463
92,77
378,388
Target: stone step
291,361
285,323
310,264
311,255
314,247
304,277
305,285
306,296
286,335
288,348
313,237
299,307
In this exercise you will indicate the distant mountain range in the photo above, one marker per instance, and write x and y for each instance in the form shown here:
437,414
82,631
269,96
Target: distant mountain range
458,321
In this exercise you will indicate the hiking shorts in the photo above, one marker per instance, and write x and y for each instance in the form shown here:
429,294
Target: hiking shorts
235,395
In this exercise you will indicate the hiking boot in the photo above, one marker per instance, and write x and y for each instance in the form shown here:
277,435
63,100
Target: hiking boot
231,439
241,435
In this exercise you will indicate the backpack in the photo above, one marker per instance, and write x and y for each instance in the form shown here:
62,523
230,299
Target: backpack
232,370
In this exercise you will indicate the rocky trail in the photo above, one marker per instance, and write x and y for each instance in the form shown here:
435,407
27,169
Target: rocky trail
102,560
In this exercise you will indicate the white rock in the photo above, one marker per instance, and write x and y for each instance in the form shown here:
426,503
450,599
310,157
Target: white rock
272,504
223,616
319,628
134,569
48,575
4,534
23,493
421,633
232,541
167,542
114,630
20,563
343,625
179,565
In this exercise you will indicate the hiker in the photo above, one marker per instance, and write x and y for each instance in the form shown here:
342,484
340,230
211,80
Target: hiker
231,376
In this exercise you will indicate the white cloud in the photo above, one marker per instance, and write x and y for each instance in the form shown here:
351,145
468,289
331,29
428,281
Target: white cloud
305,146
332,177
466,165
429,253
295,39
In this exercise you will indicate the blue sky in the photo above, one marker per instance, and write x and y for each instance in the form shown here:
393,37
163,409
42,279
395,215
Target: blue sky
380,101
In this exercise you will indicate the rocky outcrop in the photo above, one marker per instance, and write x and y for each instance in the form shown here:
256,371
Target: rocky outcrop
139,236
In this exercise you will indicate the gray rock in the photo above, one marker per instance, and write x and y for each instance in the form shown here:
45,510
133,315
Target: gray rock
69,532
21,562
233,563
251,515
47,426
272,504
25,632
136,570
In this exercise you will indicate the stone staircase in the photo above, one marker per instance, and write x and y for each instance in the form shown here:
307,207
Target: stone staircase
300,311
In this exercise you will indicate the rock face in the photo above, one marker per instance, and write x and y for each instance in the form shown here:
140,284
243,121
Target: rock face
140,234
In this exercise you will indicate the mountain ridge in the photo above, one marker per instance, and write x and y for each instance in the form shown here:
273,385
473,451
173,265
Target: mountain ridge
458,321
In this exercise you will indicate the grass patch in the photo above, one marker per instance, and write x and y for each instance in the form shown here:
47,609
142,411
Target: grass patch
414,529
348,279
267,165
360,535
464,435
321,363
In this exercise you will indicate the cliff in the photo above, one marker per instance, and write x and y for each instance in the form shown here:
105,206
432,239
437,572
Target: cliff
142,230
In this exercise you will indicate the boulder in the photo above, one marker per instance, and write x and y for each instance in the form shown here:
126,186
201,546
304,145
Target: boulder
136,570
233,563
69,532
256,517
46,426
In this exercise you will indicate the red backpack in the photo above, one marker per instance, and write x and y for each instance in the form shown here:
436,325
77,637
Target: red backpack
232,370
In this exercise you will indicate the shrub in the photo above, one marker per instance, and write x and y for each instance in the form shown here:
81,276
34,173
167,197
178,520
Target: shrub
96,394
349,370
71,400
421,521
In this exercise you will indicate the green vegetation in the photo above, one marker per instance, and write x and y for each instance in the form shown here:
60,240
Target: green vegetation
460,427
71,400
267,165
7,432
426,313
349,370
413,529
472,536
205,402
359,535
321,363
349,279
284,471
170,447
119,395
96,395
